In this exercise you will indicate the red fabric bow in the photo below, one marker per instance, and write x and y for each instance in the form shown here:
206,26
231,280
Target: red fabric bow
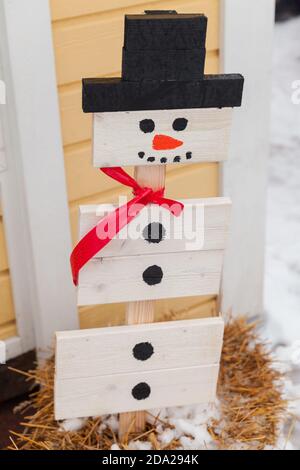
91,244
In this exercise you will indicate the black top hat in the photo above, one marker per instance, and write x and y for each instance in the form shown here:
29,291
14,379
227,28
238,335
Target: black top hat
163,68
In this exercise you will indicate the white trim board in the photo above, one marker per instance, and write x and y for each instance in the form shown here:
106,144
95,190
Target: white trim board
246,47
13,347
33,187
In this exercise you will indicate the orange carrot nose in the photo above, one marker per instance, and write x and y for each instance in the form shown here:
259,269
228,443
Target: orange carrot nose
164,142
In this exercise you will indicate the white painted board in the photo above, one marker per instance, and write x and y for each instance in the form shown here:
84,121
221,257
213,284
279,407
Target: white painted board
245,176
98,395
123,279
119,140
202,225
134,348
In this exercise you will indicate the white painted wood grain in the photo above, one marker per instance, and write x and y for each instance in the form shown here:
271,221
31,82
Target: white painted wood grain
108,351
13,347
118,139
95,396
244,176
203,225
120,279
2,147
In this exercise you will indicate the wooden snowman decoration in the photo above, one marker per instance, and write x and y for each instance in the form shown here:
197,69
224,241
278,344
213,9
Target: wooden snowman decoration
163,110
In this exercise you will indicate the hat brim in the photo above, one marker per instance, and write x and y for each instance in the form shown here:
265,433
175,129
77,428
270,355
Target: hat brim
115,94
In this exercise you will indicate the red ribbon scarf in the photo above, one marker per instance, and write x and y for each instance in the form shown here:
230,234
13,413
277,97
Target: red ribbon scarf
91,244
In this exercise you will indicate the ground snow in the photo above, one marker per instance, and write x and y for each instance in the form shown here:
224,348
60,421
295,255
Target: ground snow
282,283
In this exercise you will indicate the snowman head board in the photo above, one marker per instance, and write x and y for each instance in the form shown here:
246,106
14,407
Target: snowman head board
163,109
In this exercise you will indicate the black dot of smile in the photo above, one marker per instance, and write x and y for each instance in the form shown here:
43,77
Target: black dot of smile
180,124
147,126
177,159
153,275
151,159
141,154
143,351
163,160
141,391
154,232
188,155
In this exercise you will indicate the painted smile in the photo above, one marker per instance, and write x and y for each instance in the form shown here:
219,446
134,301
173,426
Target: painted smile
164,160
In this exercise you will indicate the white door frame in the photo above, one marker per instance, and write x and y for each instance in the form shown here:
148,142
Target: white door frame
246,47
33,187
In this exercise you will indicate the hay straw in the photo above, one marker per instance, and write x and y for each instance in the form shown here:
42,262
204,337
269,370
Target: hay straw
249,391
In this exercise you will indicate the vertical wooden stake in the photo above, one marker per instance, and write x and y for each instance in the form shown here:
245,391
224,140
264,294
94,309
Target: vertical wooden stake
141,312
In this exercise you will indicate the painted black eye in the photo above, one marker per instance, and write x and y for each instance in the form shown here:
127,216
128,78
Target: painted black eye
147,125
180,124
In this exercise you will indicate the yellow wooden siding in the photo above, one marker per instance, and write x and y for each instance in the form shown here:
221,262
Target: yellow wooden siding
114,314
88,40
7,314
79,41
62,9
8,330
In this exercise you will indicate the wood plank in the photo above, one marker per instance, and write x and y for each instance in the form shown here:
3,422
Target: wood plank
3,252
83,180
138,348
95,396
7,313
132,278
102,95
97,316
203,225
245,178
119,141
199,180
33,190
61,9
144,311
92,45
77,126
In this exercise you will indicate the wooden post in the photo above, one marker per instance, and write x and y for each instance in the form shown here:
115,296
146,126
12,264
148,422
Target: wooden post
141,312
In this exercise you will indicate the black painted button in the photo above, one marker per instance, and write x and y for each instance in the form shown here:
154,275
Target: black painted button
153,275
141,391
143,351
147,125
180,124
154,232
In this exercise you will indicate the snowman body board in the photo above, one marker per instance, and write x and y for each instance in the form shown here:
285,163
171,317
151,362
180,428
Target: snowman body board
163,110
